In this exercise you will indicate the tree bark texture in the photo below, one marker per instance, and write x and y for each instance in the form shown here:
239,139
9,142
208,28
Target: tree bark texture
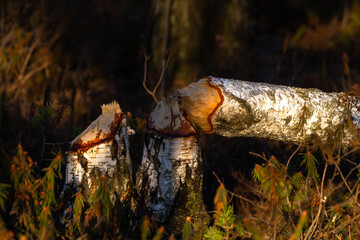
263,110
169,178
171,169
102,149
230,108
180,26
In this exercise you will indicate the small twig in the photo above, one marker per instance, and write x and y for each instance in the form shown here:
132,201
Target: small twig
255,191
344,180
217,178
232,193
164,67
281,231
342,176
36,70
5,40
147,57
351,162
283,228
260,156
357,194
242,198
352,190
28,56
292,155
285,177
340,227
349,152
321,204
261,220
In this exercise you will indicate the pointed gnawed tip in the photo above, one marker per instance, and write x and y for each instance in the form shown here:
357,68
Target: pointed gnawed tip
103,129
113,107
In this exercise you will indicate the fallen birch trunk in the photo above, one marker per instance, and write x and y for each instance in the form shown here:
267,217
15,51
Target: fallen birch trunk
233,108
229,108
101,149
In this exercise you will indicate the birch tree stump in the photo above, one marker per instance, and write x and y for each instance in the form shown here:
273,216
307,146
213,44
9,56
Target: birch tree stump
231,108
171,170
101,149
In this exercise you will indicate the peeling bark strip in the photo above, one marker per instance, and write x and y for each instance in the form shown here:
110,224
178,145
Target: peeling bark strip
103,148
266,111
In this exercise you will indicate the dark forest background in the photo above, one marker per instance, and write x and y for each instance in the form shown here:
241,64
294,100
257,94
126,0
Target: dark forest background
61,60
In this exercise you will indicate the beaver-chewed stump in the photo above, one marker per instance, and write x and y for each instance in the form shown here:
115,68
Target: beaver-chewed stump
101,149
169,179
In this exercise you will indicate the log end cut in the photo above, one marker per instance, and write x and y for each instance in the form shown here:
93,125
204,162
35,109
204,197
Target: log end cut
199,101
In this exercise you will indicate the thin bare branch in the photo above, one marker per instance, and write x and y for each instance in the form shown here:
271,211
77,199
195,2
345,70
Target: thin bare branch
292,155
342,176
36,70
163,70
313,226
147,57
349,152
263,157
164,67
345,223
28,56
281,231
8,37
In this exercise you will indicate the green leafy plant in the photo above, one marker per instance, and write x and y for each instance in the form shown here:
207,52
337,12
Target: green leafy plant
187,230
283,205
310,164
3,194
314,205
226,224
34,199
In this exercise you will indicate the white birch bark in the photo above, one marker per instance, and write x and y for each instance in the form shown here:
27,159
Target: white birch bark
231,108
102,149
164,163
170,175
270,111
171,162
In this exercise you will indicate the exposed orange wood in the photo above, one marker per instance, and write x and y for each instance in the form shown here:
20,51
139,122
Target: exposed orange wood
200,101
